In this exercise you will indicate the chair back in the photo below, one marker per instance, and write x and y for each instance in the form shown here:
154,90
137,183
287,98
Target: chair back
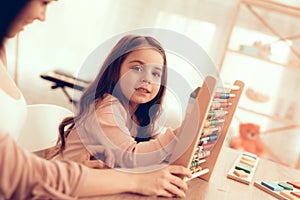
41,128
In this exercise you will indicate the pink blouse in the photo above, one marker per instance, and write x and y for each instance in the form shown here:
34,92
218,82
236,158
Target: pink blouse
110,126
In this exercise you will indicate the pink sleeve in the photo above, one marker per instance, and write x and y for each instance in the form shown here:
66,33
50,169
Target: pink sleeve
110,129
27,176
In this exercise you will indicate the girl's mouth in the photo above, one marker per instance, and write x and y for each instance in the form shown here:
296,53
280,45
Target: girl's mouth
144,90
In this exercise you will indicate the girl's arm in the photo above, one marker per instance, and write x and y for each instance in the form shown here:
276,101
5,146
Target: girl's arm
110,126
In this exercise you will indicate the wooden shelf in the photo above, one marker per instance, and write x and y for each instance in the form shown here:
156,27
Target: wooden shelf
274,6
265,14
259,58
271,117
268,6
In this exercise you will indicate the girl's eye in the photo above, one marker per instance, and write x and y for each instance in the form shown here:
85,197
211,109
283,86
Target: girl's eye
156,74
138,68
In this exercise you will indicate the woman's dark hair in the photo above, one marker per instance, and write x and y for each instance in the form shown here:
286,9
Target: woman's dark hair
9,11
106,81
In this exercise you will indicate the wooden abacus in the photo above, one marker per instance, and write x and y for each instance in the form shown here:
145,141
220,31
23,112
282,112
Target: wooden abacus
201,135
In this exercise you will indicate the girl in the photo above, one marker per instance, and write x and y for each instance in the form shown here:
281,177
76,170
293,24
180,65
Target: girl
26,176
121,107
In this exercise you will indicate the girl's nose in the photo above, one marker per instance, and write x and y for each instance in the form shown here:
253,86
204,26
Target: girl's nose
146,81
147,76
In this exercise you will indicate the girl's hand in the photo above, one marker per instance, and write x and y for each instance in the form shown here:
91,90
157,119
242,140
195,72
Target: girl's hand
87,157
100,152
176,130
163,182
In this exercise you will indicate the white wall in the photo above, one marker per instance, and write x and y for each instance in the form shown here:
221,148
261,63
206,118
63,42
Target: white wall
74,28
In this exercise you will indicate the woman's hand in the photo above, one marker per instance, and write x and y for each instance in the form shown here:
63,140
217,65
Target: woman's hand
163,182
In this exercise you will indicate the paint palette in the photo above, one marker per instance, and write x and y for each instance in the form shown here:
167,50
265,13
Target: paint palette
244,168
285,190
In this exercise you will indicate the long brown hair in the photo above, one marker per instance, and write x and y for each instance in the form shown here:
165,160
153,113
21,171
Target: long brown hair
105,82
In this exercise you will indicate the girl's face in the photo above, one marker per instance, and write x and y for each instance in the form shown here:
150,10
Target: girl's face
34,9
140,75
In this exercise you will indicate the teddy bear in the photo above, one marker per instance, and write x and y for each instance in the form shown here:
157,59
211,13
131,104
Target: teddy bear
249,139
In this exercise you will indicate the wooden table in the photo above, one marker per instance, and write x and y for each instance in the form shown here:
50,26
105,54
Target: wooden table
220,187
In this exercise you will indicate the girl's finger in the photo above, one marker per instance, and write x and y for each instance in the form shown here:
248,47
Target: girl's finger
164,193
94,164
175,190
180,170
178,182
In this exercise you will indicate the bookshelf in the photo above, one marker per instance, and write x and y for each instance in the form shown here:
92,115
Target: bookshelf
263,49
